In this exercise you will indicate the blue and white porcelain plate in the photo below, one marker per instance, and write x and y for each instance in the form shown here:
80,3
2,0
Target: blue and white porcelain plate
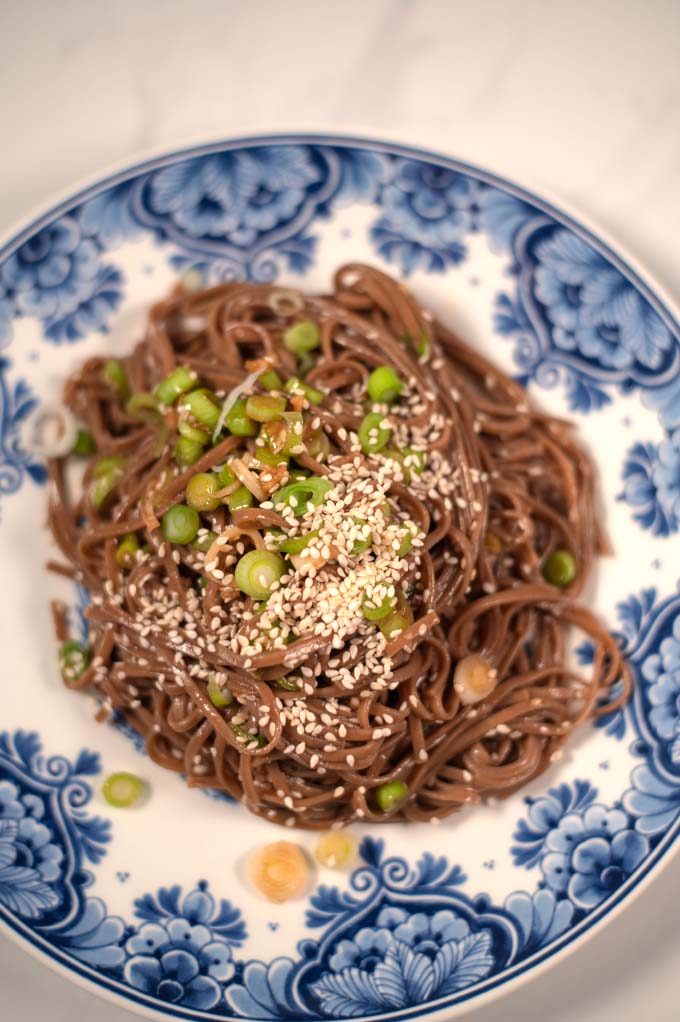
150,906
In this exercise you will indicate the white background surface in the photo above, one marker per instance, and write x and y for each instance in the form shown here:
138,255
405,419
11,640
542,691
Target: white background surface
577,99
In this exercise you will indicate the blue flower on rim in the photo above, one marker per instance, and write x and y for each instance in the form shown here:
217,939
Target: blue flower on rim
7,311
594,311
404,959
239,195
52,272
426,214
662,671
656,507
591,853
32,840
179,962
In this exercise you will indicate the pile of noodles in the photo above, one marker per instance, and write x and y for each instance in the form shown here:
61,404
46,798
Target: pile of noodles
511,487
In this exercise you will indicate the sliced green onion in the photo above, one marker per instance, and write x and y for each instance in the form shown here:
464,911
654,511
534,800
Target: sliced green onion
238,421
373,613
384,385
180,524
295,386
202,406
318,445
187,452
270,380
560,569
143,407
219,697
239,499
398,619
200,492
269,457
122,790
295,544
241,732
188,430
177,383
203,543
391,796
360,545
74,658
226,477
298,495
127,550
84,444
107,472
405,545
258,571
114,374
302,337
290,684
265,408
372,435
422,345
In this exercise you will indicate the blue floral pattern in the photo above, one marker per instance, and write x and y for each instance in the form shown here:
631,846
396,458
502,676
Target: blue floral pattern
16,403
651,484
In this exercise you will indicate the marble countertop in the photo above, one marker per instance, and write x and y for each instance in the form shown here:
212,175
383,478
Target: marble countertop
578,100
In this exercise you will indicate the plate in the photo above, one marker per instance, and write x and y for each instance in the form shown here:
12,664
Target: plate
150,906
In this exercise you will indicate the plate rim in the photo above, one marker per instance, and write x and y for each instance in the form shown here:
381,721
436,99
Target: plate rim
666,306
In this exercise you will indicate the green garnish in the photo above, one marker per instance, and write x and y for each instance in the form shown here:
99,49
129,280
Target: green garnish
219,697
200,492
373,613
143,407
265,408
390,796
226,477
295,544
560,569
384,385
360,545
270,380
180,524
399,618
240,499
302,337
258,571
122,790
298,495
114,374
177,383
74,658
295,386
241,732
106,474
127,550
372,434
405,545
202,405
191,432
290,685
187,452
203,543
269,457
238,421
84,443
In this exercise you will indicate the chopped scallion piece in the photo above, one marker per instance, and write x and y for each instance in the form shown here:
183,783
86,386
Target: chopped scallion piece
384,385
302,337
180,524
373,613
265,408
203,543
219,697
297,495
373,436
126,551
239,499
84,443
187,452
295,544
114,374
200,492
391,796
560,569
295,386
122,790
257,572
74,658
177,383
202,405
143,407
270,380
237,420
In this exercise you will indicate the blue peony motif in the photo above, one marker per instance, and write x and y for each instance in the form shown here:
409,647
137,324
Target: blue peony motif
7,313
183,953
648,488
662,671
16,403
235,195
57,276
426,213
594,311
404,959
591,853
